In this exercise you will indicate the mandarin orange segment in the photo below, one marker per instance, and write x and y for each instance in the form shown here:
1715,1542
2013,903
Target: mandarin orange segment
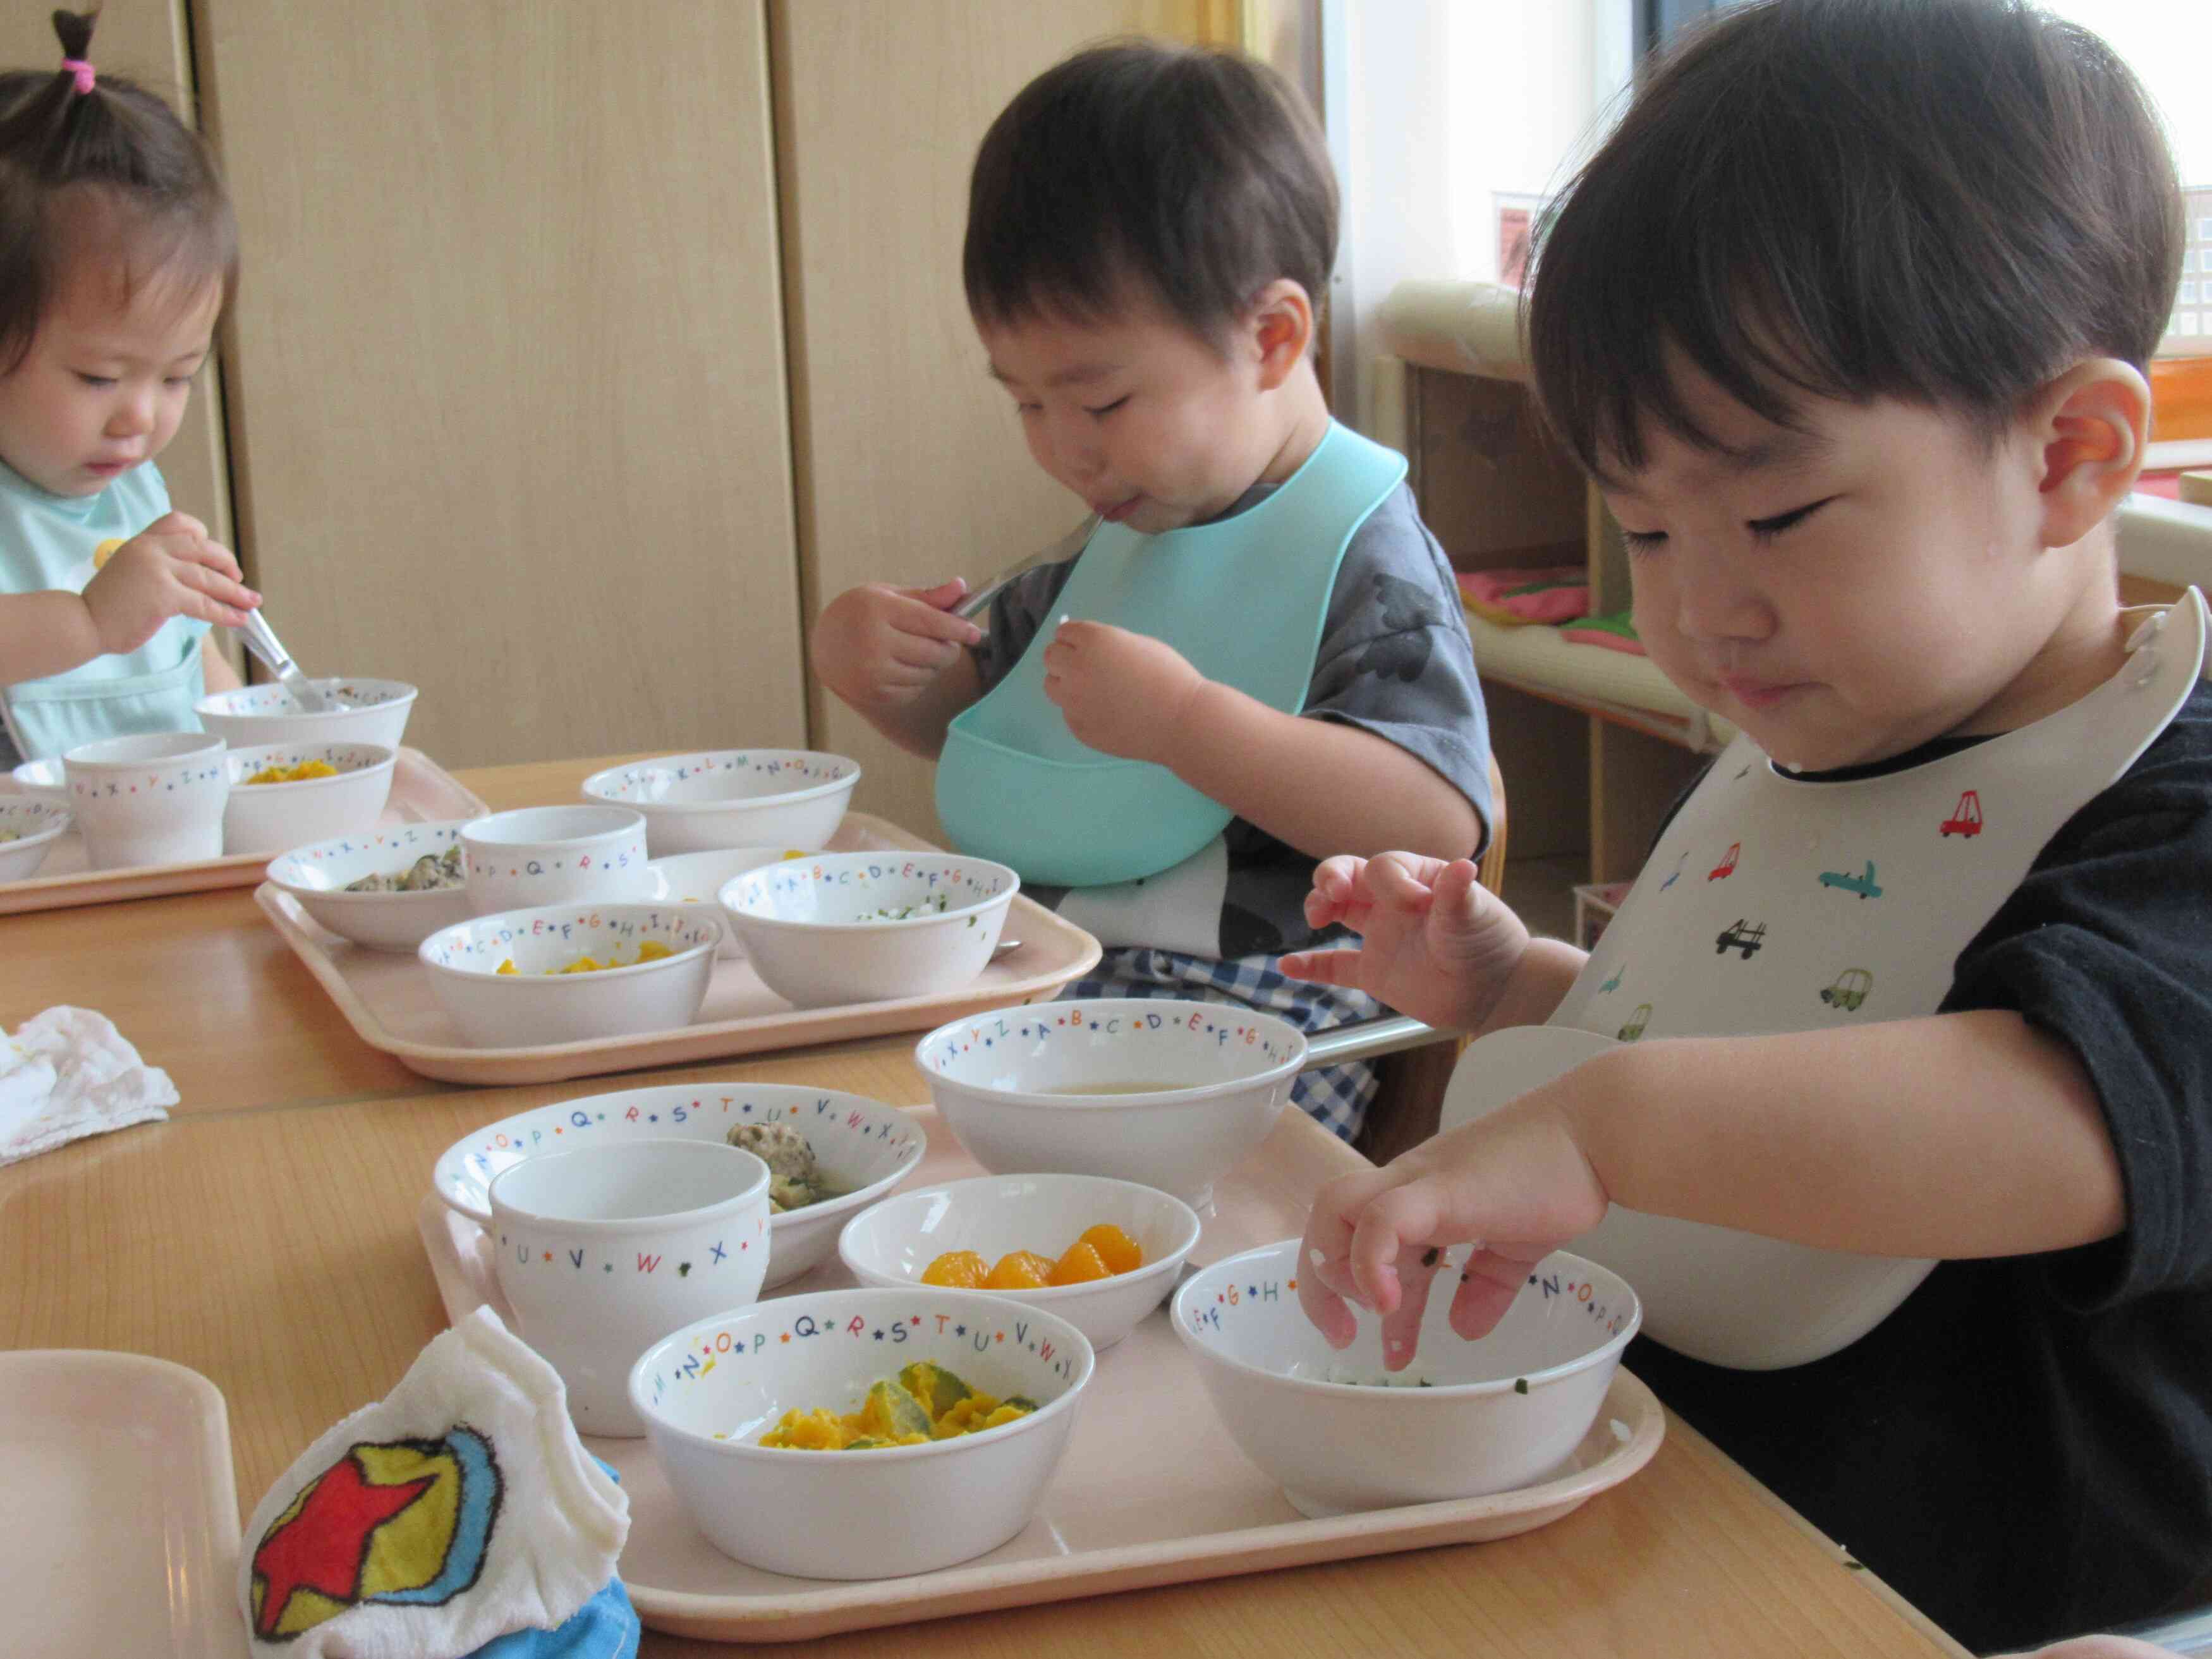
1020,1270
956,1270
1121,1253
1080,1266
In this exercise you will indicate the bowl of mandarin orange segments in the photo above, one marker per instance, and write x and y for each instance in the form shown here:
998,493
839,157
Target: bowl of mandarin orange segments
1099,1253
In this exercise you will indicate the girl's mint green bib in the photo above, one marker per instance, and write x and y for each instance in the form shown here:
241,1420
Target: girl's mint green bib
1244,599
48,541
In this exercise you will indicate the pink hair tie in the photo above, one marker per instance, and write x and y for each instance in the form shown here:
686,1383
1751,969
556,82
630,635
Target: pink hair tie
84,73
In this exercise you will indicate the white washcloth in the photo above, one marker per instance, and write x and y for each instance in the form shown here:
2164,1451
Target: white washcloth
459,1509
68,1073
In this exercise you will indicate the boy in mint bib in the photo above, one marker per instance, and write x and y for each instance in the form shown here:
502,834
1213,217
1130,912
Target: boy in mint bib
128,250
1257,657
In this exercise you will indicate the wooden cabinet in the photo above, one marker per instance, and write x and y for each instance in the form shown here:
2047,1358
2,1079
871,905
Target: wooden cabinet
508,393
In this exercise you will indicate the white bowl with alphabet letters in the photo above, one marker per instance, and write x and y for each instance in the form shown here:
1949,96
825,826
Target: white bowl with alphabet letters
709,1391
1167,1094
1340,1432
892,1243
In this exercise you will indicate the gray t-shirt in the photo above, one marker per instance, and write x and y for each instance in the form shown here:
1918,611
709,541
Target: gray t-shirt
1395,659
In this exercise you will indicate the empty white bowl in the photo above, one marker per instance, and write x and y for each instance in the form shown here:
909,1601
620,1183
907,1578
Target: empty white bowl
317,876
864,1146
733,798
699,879
869,927
375,711
152,798
531,1007
43,779
554,854
269,817
28,830
709,1391
1167,1094
1496,1413
892,1243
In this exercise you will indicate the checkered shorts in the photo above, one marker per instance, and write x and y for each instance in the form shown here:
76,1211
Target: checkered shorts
1337,1096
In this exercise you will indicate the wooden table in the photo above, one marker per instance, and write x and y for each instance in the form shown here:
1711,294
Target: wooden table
265,1237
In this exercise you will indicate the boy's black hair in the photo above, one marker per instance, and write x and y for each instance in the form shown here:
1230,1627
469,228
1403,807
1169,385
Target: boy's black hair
117,150
1198,174
1939,201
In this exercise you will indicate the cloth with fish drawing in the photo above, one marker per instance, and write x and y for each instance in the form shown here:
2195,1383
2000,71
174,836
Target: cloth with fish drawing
67,1073
1774,904
460,1515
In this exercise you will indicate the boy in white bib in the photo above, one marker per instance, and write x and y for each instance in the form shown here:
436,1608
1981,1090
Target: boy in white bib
1890,1088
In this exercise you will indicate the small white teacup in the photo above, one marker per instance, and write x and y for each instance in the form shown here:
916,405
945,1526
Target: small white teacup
553,854
151,798
602,1252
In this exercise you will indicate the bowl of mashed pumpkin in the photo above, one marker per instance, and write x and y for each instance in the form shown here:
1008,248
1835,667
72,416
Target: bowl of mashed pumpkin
572,973
863,1433
292,794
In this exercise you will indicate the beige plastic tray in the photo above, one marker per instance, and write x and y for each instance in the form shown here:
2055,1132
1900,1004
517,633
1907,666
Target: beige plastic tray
422,791
118,1472
1151,1491
389,1000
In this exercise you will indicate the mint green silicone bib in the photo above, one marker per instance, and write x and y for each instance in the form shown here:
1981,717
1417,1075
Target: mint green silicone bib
1244,599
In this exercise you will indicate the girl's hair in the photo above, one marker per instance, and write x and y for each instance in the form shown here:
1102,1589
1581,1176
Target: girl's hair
114,153
1943,202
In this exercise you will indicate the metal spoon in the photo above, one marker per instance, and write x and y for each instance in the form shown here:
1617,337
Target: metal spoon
974,604
261,640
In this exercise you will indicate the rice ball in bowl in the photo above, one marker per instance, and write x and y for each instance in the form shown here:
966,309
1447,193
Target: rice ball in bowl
1339,1433
709,1392
1164,1093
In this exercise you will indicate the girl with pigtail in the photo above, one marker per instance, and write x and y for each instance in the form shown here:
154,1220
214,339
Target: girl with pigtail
118,252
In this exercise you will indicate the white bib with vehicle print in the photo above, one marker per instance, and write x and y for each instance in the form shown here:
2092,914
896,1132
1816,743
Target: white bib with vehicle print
1774,904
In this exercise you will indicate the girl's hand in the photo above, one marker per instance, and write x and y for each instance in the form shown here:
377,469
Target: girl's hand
1124,693
1516,1184
170,569
1434,943
879,646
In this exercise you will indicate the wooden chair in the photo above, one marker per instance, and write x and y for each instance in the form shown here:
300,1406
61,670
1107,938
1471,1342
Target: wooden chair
1406,1107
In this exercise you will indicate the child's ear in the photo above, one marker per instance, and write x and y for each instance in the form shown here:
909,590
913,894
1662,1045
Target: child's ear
1279,324
2090,425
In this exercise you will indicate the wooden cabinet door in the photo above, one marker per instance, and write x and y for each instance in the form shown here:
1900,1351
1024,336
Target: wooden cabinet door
147,42
911,464
507,401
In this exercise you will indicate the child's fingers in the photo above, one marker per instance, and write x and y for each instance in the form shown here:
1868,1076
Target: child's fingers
928,622
1487,1285
1401,1326
1404,1218
944,596
223,589
1335,966
1324,1276
212,556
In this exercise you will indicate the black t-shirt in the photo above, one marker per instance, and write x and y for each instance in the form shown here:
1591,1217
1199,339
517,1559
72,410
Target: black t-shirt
2024,1449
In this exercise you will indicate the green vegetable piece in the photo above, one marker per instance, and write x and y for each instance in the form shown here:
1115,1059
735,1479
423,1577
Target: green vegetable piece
939,1389
1021,1399
1520,1385
890,1413
864,1443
